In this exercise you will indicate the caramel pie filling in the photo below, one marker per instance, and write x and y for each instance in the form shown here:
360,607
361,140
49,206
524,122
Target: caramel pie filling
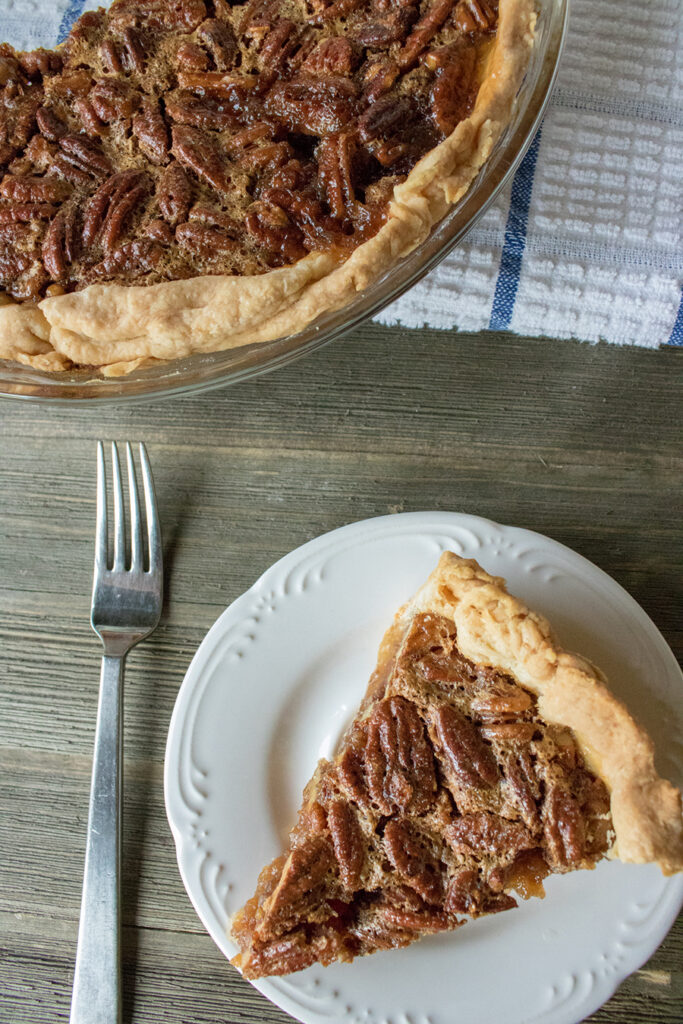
449,797
168,139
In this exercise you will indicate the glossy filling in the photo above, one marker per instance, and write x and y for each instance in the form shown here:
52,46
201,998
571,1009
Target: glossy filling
449,794
173,138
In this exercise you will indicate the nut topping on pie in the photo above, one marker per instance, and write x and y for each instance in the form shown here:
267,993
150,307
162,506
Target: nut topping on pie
173,140
264,107
458,786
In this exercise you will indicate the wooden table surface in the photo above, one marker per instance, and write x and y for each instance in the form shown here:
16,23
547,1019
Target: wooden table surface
581,443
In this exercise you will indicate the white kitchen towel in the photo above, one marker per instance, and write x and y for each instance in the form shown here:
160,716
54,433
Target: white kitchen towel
586,242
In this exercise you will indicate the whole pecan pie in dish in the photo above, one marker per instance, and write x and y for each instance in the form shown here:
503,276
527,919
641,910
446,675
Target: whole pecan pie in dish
482,759
186,176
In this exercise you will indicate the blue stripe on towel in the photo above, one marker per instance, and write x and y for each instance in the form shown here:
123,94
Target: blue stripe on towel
74,10
676,337
515,240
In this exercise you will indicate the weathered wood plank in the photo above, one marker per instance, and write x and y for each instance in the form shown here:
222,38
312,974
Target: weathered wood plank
181,978
579,442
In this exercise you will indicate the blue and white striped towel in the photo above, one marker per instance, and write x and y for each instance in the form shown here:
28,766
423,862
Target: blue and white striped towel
586,242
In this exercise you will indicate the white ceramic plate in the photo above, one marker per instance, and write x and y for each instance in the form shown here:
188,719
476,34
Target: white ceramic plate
272,688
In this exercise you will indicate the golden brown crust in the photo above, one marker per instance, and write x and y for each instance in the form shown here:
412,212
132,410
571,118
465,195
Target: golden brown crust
118,328
496,629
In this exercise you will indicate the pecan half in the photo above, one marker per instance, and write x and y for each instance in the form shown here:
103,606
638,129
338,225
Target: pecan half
178,15
196,151
205,214
26,212
339,9
319,230
159,231
474,16
12,263
191,57
38,157
425,29
451,94
509,732
333,56
109,53
258,17
246,136
200,112
278,45
313,105
398,760
347,840
135,257
49,125
503,703
219,39
69,170
271,228
463,895
282,956
149,128
220,83
109,206
259,158
18,118
40,62
59,244
87,116
133,54
33,190
113,99
120,208
522,785
204,241
15,233
465,758
335,154
403,910
29,284
379,77
174,194
351,777
379,35
384,117
85,154
409,853
482,834
563,829
381,192
302,883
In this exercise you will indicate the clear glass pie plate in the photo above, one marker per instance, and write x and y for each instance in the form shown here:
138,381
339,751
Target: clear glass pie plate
211,370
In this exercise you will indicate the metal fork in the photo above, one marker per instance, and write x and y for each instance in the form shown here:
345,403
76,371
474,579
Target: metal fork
126,606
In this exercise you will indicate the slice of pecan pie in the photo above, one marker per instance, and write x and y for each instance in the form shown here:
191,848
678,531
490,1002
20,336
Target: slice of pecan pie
191,175
482,759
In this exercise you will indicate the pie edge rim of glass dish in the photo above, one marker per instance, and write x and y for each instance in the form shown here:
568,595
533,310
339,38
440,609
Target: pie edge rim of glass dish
208,314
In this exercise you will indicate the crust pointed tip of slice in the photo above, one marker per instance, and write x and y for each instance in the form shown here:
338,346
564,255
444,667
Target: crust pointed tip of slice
463,781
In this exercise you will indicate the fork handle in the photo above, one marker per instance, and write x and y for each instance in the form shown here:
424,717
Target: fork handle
96,995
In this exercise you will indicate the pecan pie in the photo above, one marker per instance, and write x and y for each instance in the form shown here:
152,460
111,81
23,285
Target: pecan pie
482,759
189,175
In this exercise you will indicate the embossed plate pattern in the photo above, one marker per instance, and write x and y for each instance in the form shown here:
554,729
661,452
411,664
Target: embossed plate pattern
273,686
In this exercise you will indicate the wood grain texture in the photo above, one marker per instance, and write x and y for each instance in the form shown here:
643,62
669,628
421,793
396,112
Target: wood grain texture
581,443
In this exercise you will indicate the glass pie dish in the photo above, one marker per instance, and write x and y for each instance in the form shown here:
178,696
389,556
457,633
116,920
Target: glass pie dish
203,371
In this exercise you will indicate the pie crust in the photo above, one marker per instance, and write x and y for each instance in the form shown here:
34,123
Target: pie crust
494,628
118,328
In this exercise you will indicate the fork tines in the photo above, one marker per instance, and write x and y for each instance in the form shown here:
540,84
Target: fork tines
121,562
